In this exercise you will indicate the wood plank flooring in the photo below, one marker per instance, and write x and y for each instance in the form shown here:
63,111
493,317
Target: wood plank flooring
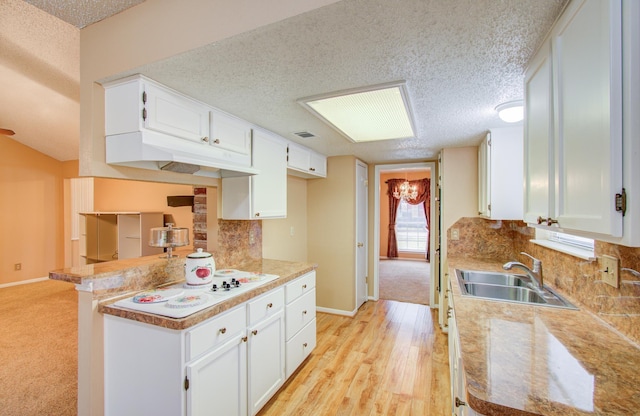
390,359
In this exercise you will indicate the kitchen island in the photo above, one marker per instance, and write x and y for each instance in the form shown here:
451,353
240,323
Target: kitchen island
99,285
521,359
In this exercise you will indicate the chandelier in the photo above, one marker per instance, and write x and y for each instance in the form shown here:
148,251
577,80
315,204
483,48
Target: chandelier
406,191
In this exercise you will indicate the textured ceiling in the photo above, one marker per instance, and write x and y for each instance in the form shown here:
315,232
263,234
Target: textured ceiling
460,58
81,13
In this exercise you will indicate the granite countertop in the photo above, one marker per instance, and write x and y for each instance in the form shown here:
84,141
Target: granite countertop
115,280
535,360
287,271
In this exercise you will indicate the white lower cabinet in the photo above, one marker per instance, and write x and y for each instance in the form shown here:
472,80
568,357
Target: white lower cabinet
266,348
231,364
300,320
208,393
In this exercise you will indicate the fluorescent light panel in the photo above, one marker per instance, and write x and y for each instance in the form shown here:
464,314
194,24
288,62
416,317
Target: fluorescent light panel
375,113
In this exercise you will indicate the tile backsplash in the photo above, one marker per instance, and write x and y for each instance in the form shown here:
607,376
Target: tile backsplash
577,279
238,241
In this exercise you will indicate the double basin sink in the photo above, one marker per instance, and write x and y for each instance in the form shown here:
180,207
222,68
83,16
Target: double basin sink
508,287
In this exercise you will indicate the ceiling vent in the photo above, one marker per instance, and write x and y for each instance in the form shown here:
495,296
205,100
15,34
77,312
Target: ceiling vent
305,134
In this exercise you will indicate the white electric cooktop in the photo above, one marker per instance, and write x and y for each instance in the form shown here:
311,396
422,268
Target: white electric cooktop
182,300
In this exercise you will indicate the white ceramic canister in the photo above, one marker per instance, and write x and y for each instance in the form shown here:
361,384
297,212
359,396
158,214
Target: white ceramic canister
199,268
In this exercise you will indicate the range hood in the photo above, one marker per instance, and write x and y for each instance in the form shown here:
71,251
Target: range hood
157,151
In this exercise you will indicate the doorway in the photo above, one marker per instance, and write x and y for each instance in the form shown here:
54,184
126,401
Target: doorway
411,266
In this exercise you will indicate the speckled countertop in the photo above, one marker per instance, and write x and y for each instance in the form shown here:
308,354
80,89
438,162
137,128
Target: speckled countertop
115,280
536,360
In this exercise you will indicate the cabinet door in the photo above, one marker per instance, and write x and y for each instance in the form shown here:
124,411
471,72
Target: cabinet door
484,181
269,187
300,346
588,114
299,157
538,137
174,114
230,133
266,360
318,165
217,381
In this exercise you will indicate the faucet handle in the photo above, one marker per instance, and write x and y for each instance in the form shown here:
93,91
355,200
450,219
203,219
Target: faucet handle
537,264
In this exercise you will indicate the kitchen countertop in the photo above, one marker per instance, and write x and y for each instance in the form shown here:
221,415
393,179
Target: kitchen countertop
287,271
115,280
535,360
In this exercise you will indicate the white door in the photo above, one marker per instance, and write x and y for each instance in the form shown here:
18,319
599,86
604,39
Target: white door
361,233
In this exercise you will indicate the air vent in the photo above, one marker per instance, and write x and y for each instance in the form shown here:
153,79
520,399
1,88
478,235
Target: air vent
305,134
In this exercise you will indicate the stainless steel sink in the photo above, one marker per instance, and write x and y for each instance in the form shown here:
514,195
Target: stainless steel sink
508,287
492,278
511,293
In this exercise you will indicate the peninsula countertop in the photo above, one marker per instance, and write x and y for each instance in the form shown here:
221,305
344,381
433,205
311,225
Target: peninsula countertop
115,280
523,359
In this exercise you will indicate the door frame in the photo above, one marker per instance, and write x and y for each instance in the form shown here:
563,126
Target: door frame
433,302
362,209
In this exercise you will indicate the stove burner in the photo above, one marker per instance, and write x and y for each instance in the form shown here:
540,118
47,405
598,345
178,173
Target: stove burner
226,286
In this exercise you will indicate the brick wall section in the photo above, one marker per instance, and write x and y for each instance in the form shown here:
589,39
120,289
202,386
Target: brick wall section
200,218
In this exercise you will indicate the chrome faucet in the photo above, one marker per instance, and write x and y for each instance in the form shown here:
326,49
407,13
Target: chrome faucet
534,273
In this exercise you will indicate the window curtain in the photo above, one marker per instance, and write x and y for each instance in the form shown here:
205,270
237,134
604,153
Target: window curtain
392,242
424,197
423,186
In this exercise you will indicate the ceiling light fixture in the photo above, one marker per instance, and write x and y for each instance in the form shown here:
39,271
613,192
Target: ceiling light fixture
511,112
379,112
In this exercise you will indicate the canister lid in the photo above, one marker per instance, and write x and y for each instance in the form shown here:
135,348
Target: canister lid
199,254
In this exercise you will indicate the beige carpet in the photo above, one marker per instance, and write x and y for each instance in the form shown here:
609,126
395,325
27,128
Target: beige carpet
38,349
404,281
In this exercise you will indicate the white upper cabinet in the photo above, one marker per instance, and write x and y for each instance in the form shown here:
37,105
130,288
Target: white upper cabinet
575,112
139,103
263,195
175,114
305,163
230,133
500,174
538,138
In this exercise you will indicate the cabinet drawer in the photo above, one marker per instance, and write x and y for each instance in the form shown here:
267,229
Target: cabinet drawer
266,306
213,332
300,286
300,312
300,346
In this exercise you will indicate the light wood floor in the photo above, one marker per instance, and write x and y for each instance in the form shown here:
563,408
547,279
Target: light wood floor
390,359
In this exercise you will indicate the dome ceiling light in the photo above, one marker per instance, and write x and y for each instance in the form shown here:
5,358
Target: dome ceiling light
511,112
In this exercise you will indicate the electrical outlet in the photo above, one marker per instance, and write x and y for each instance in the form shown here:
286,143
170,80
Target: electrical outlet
252,238
292,231
609,270
455,234
17,266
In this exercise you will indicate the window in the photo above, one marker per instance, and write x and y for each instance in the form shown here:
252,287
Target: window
411,228
566,243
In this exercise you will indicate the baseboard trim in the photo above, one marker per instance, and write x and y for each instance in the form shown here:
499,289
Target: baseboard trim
350,314
24,282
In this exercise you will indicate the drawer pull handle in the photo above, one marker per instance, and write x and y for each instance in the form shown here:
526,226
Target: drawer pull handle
460,403
244,339
304,286
205,139
304,345
254,332
269,305
304,312
223,330
217,141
